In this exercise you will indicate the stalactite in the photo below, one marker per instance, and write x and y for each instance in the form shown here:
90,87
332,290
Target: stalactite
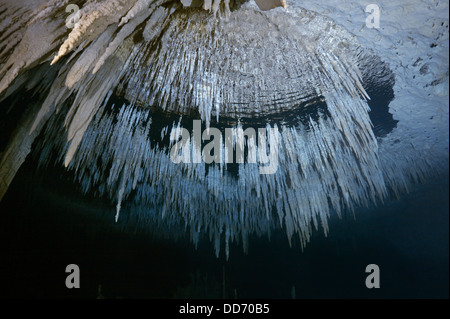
254,64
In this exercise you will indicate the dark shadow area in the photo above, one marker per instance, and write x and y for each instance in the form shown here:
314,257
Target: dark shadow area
47,224
379,81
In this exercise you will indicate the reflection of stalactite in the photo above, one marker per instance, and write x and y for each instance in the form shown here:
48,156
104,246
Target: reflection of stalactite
192,64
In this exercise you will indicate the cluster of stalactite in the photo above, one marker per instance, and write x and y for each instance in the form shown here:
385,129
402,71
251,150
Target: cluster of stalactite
159,56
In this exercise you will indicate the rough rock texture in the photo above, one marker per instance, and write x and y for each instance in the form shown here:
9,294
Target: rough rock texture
413,39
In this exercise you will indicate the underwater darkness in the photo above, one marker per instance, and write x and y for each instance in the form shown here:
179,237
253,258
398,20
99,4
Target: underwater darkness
46,225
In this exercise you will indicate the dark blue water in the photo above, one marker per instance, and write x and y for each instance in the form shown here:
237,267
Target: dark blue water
46,225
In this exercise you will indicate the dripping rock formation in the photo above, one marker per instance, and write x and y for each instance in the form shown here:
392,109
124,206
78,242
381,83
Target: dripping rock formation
106,94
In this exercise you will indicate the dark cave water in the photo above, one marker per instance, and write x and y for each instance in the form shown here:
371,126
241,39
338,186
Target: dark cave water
47,225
